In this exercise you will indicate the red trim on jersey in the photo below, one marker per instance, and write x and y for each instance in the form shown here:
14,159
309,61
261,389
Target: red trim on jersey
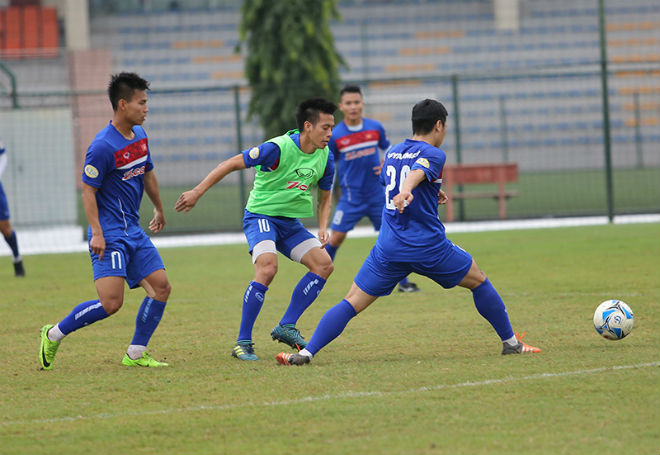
131,152
357,138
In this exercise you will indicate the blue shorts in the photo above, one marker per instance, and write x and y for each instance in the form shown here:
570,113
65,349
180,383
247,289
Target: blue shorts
378,276
133,257
349,213
287,233
4,206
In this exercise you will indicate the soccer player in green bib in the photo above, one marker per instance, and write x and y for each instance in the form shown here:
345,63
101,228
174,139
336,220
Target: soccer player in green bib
287,167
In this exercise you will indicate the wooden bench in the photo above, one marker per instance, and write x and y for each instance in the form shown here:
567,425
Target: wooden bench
500,173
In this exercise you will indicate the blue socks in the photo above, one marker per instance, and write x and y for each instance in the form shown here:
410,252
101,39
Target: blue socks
13,244
490,305
332,324
253,300
83,314
332,250
305,292
148,318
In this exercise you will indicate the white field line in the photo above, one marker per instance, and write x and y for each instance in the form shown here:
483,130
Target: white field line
329,397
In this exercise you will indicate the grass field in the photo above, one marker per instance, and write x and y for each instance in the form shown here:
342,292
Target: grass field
418,373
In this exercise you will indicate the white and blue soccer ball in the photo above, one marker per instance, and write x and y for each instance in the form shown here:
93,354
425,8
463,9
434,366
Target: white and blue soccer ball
613,319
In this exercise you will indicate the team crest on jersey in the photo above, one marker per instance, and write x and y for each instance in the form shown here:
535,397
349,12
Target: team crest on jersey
305,173
91,171
254,153
423,162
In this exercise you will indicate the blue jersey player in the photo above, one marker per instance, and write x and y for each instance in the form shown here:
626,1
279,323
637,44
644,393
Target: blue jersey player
357,143
117,171
288,166
412,239
5,225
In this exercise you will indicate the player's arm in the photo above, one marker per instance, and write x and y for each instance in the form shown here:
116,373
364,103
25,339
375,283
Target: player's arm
97,242
325,201
383,147
188,199
405,197
151,188
3,159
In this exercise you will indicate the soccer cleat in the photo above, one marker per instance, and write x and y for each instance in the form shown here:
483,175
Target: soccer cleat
18,269
48,349
409,287
288,334
145,361
520,348
244,350
284,358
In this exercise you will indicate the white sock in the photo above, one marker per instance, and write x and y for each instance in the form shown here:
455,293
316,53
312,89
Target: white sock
135,351
513,341
55,334
306,353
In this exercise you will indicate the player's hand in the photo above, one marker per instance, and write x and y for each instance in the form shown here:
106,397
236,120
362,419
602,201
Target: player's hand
97,245
378,169
186,201
442,198
158,221
402,200
324,237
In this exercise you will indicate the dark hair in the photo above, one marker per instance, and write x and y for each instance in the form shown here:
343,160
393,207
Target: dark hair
123,85
425,115
309,111
350,88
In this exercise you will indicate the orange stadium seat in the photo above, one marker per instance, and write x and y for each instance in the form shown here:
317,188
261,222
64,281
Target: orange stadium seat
12,31
2,30
50,31
31,32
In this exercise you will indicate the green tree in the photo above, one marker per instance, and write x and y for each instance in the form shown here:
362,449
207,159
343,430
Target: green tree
291,56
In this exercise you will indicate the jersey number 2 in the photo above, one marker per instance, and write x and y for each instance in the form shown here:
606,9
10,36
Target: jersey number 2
391,173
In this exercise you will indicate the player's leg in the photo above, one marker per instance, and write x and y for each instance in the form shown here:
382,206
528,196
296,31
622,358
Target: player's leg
375,279
307,251
489,304
261,233
9,234
331,325
346,216
264,256
148,317
145,268
110,290
336,239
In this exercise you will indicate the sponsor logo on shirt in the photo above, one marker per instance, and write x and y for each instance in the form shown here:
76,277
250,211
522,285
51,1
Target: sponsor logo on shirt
305,173
402,156
423,162
254,153
91,171
133,173
359,153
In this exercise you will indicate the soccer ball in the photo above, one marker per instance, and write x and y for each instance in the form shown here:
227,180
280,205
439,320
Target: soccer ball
613,319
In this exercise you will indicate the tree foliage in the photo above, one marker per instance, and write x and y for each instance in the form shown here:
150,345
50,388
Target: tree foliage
291,56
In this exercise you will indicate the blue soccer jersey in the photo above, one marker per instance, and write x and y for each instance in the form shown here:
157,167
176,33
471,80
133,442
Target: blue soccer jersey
116,166
356,153
417,232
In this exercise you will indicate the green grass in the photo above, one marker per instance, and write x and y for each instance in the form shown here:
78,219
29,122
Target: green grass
418,373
